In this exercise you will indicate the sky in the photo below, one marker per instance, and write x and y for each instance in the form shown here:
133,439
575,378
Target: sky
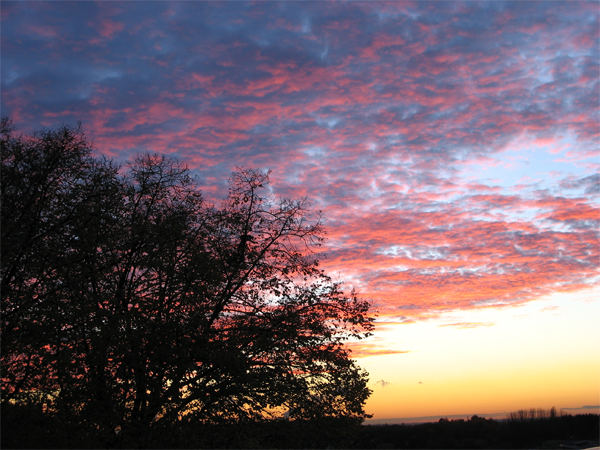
453,148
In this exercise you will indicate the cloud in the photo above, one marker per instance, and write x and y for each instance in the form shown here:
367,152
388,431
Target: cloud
382,383
453,150
591,184
363,350
583,407
466,325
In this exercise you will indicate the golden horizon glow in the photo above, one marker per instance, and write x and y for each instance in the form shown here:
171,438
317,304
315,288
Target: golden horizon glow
537,355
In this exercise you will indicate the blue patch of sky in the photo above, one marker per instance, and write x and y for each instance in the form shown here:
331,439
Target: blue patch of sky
527,166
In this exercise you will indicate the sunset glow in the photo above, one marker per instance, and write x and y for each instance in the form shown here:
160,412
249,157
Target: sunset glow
491,361
452,148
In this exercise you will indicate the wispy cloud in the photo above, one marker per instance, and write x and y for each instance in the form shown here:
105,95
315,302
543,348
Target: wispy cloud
365,349
382,383
586,407
467,325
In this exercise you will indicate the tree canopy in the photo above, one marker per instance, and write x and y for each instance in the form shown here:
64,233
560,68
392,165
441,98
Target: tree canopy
128,300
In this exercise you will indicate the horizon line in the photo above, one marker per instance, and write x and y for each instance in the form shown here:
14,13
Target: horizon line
496,415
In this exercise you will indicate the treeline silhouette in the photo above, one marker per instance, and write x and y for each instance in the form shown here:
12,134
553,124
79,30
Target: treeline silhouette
533,413
23,427
580,431
134,311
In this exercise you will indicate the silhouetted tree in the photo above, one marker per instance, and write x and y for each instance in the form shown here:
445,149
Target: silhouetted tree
128,300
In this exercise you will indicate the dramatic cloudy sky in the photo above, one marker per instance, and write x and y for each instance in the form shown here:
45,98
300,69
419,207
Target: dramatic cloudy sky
452,147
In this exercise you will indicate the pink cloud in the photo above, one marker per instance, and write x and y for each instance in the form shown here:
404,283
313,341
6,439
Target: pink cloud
377,130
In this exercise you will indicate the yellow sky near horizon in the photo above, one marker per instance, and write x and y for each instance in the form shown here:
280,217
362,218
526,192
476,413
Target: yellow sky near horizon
541,354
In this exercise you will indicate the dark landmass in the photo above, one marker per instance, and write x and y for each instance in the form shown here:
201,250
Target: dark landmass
26,428
580,431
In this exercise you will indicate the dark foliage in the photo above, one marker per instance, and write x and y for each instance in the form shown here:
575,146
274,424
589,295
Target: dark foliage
130,304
